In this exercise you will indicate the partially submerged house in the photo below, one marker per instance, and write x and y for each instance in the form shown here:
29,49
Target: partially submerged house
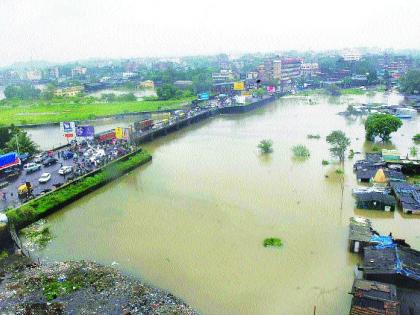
374,298
375,201
408,196
393,264
360,234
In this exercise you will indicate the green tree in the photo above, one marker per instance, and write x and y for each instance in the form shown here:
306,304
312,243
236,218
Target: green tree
381,125
410,82
333,90
413,151
21,142
265,146
166,91
339,144
21,91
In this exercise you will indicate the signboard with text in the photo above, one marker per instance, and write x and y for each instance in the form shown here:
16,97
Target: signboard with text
238,86
68,129
85,131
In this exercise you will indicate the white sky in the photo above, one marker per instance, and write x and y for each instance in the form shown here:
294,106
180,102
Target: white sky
62,30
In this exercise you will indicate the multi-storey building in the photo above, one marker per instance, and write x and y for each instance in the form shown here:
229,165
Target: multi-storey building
309,69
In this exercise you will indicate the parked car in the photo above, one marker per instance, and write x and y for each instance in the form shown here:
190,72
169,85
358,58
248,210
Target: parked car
65,170
50,161
45,177
31,167
24,157
67,155
39,158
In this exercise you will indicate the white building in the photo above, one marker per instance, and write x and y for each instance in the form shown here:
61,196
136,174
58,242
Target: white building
34,75
351,55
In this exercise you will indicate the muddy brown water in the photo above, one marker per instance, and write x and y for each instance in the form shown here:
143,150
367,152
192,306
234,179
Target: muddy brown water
193,220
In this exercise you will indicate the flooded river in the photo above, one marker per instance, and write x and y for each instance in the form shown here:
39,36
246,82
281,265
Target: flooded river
193,220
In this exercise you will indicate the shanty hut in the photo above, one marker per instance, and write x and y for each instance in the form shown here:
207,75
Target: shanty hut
374,298
392,264
408,196
360,234
375,201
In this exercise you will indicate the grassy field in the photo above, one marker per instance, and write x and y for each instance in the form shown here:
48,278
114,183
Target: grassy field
37,208
39,112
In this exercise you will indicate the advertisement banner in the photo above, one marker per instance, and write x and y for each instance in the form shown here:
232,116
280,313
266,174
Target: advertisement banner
238,86
85,131
119,133
68,129
271,89
126,135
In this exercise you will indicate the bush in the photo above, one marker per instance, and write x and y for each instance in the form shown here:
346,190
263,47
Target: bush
265,146
313,136
300,151
325,162
272,241
416,138
339,171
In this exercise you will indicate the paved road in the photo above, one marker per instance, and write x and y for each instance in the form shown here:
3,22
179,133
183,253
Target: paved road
11,190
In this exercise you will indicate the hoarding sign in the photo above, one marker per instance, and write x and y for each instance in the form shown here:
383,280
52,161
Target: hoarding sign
85,131
126,135
107,135
119,133
68,129
238,86
271,89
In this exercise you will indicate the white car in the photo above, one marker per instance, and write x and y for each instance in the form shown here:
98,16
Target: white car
65,170
31,167
45,177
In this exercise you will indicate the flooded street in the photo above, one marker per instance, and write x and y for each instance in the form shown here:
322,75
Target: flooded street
193,220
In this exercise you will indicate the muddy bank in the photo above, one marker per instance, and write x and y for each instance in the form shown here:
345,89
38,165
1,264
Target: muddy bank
78,288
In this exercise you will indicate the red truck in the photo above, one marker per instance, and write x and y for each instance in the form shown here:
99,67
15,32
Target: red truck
143,125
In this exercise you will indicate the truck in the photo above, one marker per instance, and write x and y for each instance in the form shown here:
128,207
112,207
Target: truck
9,160
143,125
25,190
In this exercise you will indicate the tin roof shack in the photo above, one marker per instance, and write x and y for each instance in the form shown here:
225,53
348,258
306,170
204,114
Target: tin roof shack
360,234
390,155
366,169
409,301
374,298
392,264
408,196
375,201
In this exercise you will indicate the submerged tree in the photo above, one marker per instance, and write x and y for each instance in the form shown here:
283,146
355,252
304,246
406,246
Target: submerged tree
339,144
300,151
381,125
265,146
413,151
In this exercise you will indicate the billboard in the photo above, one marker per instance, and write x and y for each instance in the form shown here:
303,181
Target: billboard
85,131
238,86
119,133
68,129
271,89
203,96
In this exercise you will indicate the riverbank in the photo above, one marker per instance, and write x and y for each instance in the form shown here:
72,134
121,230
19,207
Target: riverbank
79,288
48,203
42,112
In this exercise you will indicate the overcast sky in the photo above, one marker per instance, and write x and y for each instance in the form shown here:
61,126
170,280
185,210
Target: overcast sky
62,30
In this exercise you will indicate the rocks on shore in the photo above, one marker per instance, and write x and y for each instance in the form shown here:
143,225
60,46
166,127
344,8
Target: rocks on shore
79,288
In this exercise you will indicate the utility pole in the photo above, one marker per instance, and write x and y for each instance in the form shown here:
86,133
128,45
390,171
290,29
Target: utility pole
17,143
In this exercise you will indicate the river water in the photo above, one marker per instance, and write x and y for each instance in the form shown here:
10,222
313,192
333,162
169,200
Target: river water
194,219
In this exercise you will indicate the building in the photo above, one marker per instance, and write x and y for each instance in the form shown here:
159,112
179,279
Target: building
360,234
374,298
252,75
286,71
310,69
351,55
223,76
78,71
408,196
69,91
148,84
395,264
183,84
53,73
34,75
375,201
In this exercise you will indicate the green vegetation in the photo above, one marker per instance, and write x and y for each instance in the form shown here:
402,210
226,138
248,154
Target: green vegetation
3,254
375,148
351,154
339,144
339,171
272,241
333,90
22,92
414,179
353,91
35,209
325,162
413,151
410,82
38,112
313,136
265,146
416,138
300,151
381,125
111,97
15,139
38,233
